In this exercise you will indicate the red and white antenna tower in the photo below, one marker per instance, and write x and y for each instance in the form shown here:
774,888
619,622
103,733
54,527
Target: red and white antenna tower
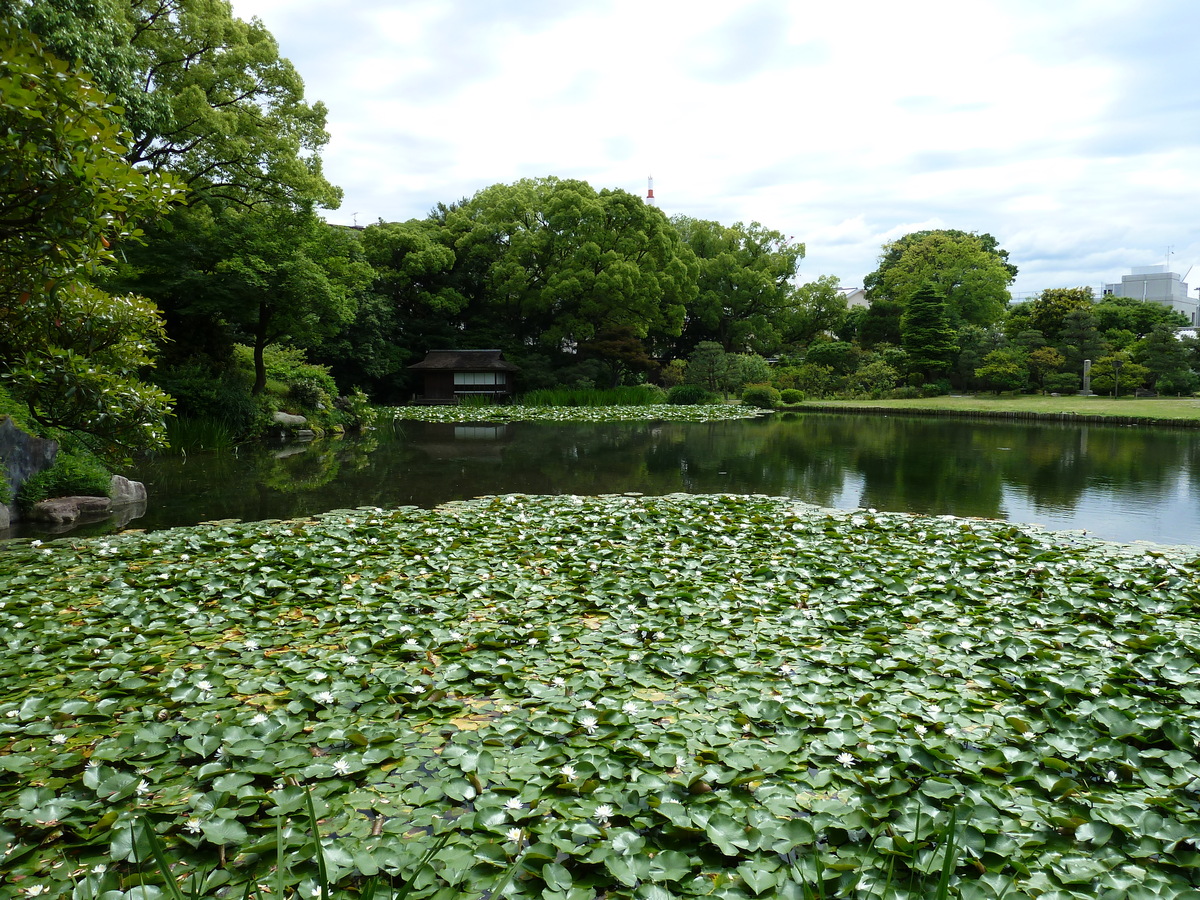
650,190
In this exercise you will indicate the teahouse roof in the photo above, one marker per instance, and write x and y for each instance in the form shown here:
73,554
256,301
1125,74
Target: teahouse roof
466,361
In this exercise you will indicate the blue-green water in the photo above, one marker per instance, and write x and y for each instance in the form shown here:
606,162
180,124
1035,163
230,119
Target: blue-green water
1119,483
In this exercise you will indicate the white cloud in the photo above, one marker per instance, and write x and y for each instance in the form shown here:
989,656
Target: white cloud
1067,130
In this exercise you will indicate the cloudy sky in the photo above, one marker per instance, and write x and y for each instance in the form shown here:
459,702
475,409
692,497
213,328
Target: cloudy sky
1069,129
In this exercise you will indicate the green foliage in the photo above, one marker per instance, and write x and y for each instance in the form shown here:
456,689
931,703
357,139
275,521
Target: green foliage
880,323
596,715
205,95
309,394
1048,311
874,379
762,396
1140,317
1062,383
551,261
791,396
356,410
839,356
75,472
206,391
926,334
1080,340
263,276
188,434
69,351
745,300
1117,374
633,395
690,394
1006,369
813,379
968,271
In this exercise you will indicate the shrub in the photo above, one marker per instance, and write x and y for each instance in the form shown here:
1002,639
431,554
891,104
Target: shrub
906,392
1180,382
690,394
938,388
203,391
75,472
308,393
761,395
791,395
356,409
1061,383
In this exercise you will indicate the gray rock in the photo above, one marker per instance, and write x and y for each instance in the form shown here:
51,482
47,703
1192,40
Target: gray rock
63,510
122,491
21,455
5,517
282,418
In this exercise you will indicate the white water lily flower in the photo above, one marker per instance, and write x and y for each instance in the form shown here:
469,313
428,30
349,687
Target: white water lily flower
204,685
568,771
252,644
588,704
513,834
259,719
143,788
847,761
920,730
35,890
58,739
629,708
324,697
99,869
589,724
341,767
604,813
559,681
513,803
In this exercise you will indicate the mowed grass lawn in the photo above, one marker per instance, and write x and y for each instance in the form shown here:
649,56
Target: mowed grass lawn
1149,408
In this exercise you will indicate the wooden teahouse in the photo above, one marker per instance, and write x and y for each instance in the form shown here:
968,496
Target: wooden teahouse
454,375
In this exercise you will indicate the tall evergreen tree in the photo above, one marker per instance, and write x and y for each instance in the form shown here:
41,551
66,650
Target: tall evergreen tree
926,335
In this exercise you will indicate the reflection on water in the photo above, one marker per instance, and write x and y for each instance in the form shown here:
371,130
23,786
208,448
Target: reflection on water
1119,483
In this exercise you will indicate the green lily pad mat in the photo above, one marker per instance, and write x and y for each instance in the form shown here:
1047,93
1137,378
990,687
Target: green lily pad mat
623,696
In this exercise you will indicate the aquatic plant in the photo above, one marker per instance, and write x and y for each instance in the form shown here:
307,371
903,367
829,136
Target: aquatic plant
636,697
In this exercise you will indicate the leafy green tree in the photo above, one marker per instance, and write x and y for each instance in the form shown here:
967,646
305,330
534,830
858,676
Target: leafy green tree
839,356
1135,315
1117,374
1005,369
205,95
552,262
1164,355
621,351
1048,311
263,275
1043,362
820,310
1080,340
974,343
873,379
69,351
926,335
712,368
881,323
745,299
967,270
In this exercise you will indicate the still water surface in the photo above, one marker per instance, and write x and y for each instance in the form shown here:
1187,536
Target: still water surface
1119,483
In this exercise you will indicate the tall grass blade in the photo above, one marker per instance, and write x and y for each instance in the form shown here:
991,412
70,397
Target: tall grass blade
322,873
159,852
950,860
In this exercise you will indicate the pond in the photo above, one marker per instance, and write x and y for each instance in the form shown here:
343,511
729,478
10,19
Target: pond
1118,483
